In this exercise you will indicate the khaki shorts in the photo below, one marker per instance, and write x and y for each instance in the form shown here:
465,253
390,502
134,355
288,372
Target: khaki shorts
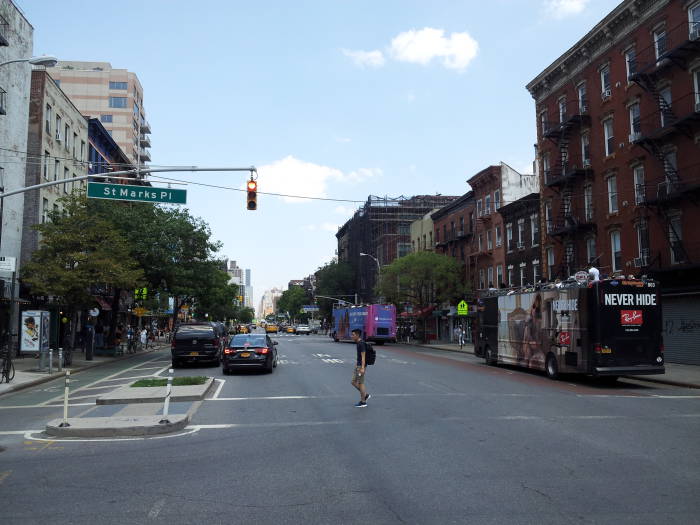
357,377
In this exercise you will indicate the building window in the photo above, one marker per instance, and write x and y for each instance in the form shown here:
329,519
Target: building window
437,235
545,168
44,211
588,201
570,257
82,150
58,128
471,222
487,205
562,109
582,102
566,204
535,229
489,240
639,189
461,225
461,253
118,85
46,165
696,80
66,136
694,22
65,177
490,276
47,120
630,62
106,118
117,102
481,279
543,122
605,82
643,241
660,42
615,251
510,275
675,236
590,250
523,282
509,237
496,199
521,233
550,263
586,149
665,106
75,139
403,248
536,271
609,136
404,229
548,216
499,237
670,165
481,242
479,210
499,275
56,169
612,194
635,128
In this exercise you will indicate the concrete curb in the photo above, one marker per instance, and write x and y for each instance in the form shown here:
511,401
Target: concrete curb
155,394
117,426
57,375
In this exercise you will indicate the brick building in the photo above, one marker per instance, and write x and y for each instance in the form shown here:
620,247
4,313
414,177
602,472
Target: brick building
618,125
521,220
453,229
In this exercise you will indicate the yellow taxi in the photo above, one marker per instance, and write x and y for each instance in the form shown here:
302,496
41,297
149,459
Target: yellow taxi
271,328
290,329
242,329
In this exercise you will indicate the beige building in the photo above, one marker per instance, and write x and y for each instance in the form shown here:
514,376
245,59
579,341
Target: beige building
58,135
115,97
422,234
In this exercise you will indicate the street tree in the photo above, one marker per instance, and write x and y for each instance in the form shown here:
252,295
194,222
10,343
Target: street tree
215,297
335,279
79,251
292,300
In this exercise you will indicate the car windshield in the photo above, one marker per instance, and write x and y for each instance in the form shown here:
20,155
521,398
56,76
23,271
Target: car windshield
249,339
193,331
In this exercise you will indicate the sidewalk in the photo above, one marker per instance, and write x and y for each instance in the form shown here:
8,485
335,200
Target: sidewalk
687,376
27,373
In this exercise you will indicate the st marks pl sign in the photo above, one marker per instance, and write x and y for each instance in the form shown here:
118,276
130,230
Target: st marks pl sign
125,192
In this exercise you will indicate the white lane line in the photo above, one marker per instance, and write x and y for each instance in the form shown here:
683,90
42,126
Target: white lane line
157,507
161,370
102,387
16,432
148,368
128,378
218,390
30,435
268,425
19,407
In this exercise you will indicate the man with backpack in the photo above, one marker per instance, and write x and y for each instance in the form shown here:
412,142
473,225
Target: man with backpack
358,377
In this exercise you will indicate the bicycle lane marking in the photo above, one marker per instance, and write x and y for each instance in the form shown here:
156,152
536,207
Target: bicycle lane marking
108,378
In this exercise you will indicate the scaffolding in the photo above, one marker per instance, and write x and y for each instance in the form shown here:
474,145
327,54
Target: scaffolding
382,229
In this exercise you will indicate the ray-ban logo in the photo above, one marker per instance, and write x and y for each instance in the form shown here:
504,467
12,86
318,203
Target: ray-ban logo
631,317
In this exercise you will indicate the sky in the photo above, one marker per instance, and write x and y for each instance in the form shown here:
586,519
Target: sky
338,99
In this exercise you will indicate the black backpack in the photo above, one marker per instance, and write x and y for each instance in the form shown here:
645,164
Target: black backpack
370,354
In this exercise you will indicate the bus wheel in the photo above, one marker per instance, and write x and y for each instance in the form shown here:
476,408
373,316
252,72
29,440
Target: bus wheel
551,367
489,357
608,380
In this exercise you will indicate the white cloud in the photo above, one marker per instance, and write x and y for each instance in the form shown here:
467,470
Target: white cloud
373,59
292,176
344,210
343,140
562,8
424,45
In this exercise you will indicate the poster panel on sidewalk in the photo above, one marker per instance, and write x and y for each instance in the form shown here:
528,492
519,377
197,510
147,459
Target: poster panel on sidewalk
31,327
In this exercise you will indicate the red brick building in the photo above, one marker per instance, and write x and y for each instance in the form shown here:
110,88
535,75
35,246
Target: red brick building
618,126
453,228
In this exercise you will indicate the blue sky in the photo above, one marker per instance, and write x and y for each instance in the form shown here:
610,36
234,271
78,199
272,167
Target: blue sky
328,98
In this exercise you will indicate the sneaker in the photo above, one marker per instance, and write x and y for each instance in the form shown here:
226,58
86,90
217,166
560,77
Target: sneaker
360,404
367,398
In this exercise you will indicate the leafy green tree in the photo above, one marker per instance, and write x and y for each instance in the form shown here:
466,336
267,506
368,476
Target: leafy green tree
292,300
216,296
335,279
246,315
79,250
422,278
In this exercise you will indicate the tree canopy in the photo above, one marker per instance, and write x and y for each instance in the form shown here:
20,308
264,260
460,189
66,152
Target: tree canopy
335,279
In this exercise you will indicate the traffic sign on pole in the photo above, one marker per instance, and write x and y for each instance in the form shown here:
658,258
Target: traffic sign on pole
128,192
462,308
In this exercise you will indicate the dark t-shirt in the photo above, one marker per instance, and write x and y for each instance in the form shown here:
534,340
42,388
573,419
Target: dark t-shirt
360,350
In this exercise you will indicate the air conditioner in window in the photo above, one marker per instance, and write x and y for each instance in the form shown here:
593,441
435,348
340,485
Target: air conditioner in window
607,93
635,136
586,163
58,136
695,31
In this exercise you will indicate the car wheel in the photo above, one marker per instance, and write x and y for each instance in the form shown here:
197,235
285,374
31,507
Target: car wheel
274,363
551,368
268,366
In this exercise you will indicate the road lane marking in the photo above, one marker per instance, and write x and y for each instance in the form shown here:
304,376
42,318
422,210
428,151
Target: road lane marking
218,390
55,405
4,475
333,361
157,507
161,370
16,432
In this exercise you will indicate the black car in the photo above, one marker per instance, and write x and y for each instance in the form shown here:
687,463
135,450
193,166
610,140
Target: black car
197,342
250,350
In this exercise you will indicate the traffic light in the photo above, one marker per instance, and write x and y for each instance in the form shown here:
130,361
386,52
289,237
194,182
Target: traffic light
252,195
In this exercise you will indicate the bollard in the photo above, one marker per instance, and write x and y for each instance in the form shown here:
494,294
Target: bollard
65,423
60,359
166,405
50,361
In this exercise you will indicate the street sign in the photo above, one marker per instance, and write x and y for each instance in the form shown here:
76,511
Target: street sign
8,264
127,192
310,308
463,308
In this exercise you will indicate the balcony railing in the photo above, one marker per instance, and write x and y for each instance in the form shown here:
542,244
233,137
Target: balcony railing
145,155
570,222
567,168
683,114
574,114
678,44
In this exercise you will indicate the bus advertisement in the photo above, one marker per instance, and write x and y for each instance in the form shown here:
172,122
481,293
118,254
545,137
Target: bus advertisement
376,321
605,328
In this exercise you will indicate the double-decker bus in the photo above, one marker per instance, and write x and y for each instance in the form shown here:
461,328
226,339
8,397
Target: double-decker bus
603,328
376,321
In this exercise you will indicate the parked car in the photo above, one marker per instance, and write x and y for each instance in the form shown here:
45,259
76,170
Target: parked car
197,342
303,329
250,350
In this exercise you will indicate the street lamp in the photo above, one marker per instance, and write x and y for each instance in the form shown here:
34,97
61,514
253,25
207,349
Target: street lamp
43,60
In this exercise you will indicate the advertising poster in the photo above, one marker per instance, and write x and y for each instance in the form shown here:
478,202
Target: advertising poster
30,331
45,330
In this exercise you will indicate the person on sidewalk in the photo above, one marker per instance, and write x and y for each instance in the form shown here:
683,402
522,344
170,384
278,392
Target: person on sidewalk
358,376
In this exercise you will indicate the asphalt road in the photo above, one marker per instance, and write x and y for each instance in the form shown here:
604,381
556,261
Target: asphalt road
445,439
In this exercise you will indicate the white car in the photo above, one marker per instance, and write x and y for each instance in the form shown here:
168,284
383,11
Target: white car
303,329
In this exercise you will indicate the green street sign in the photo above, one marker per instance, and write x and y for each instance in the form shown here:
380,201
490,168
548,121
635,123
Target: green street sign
124,192
463,308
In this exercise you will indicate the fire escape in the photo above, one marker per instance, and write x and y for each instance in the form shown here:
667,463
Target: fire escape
671,49
572,164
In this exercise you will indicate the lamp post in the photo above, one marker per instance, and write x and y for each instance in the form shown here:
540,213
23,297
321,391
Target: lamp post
43,60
